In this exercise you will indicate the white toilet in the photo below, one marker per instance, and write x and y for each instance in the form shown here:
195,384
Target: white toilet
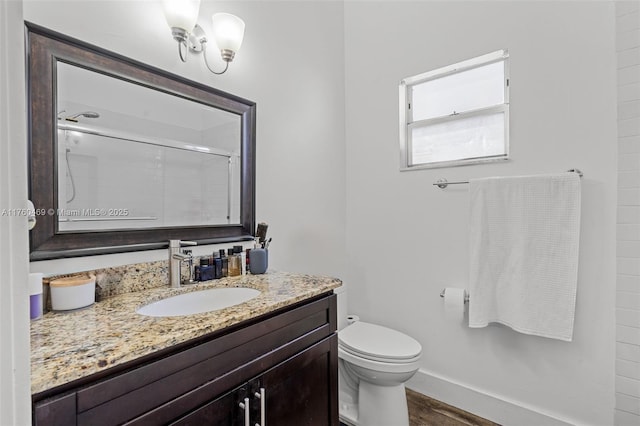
374,364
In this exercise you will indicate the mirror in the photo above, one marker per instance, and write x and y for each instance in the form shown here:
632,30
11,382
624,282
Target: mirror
124,157
182,158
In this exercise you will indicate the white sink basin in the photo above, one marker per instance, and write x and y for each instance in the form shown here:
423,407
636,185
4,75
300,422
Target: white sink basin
197,302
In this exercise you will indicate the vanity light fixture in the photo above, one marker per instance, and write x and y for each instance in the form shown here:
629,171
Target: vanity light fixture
228,31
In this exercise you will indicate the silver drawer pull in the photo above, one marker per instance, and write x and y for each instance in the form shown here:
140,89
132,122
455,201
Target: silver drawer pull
263,413
245,406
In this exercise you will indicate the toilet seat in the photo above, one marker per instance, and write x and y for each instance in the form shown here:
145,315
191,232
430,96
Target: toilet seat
377,343
375,359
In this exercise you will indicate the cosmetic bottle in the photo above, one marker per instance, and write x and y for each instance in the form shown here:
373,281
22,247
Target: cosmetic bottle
217,263
239,251
234,263
247,260
206,269
225,263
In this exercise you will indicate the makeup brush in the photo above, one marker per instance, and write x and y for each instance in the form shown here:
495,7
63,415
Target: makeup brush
261,232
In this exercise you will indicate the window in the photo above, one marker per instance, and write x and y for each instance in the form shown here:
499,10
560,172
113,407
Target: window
455,115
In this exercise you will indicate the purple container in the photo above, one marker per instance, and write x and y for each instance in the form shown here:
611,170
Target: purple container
35,305
35,295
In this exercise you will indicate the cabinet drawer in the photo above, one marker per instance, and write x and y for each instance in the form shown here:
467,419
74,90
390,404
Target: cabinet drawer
218,361
222,411
59,410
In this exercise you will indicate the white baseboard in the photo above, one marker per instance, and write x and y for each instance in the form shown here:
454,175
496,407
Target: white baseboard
479,402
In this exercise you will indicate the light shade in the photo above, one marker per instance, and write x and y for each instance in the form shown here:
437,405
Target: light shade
228,31
181,13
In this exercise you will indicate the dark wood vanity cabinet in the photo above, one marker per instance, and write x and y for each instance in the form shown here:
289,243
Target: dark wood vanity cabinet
282,367
296,392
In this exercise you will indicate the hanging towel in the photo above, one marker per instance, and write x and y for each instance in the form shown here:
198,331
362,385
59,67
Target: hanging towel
524,234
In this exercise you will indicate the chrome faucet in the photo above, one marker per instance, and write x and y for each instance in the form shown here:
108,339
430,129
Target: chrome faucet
176,257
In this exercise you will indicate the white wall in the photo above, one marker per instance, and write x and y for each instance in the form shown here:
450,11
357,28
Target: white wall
627,382
406,240
291,64
15,401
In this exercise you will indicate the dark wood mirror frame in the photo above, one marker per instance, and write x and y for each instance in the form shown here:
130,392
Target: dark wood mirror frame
44,49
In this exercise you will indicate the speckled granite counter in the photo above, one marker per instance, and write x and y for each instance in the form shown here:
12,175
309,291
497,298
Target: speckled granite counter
71,345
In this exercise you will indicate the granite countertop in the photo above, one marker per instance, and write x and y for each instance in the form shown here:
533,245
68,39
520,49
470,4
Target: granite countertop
66,346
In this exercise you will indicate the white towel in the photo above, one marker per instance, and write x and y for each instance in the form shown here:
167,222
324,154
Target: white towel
524,235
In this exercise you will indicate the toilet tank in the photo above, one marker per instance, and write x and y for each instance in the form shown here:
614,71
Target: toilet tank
341,293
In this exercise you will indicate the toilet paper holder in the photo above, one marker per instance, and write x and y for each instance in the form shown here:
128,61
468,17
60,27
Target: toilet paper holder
466,295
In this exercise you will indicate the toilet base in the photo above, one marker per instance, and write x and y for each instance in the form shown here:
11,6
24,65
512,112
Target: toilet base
348,414
377,406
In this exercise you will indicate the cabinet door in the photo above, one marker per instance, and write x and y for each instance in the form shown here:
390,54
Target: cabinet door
223,411
303,390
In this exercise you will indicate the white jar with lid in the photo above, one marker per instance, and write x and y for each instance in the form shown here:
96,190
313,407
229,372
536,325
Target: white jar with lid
72,292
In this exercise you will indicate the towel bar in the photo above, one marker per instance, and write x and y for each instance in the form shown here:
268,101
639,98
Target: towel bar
443,183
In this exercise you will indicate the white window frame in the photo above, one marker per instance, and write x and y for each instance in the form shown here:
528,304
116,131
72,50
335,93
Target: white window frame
405,104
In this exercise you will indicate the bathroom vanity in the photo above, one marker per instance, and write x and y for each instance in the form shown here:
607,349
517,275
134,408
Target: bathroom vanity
271,360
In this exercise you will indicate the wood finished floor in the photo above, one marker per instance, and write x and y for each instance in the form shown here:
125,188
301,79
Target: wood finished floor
425,411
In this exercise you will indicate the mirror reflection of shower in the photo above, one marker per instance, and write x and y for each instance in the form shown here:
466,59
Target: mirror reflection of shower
139,159
73,118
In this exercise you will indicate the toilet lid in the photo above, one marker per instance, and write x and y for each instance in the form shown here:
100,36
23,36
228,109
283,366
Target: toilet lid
376,341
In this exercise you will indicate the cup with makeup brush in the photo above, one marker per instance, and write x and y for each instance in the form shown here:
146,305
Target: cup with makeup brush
259,256
258,261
